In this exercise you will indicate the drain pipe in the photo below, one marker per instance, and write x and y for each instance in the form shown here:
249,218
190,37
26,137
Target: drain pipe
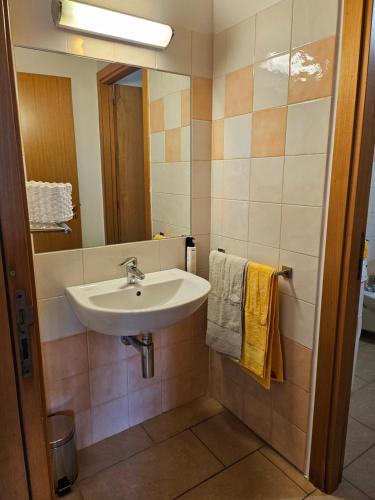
145,346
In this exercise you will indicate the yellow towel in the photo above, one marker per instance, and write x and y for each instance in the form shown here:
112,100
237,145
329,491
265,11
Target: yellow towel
261,346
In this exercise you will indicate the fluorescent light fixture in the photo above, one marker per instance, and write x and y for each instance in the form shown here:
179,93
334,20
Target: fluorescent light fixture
78,16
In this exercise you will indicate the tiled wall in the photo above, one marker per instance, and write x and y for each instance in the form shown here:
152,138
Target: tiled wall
95,375
272,87
169,108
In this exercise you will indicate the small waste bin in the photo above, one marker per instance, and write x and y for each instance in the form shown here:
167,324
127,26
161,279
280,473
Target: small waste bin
62,451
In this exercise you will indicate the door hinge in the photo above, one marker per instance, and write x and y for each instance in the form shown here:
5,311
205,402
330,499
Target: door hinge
25,318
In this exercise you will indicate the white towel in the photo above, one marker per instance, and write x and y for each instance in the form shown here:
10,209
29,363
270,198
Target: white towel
49,201
225,304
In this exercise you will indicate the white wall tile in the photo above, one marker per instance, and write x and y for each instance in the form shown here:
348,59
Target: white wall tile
172,253
220,47
301,229
234,247
240,42
304,282
172,110
273,30
216,216
172,209
297,320
102,263
172,178
110,418
157,147
87,46
308,126
271,79
217,167
264,223
237,133
235,219
177,56
201,140
218,97
313,21
236,179
266,179
54,271
201,181
304,179
202,54
202,243
263,254
130,54
200,215
57,319
185,144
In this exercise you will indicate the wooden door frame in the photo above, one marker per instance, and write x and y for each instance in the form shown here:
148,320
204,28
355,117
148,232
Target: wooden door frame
17,260
106,77
347,217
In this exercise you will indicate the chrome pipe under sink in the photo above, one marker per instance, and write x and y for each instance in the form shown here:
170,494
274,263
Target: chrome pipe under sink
145,346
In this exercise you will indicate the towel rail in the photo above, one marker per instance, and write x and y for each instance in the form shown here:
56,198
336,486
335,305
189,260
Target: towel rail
50,227
286,271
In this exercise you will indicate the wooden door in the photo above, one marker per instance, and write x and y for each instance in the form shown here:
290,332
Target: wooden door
130,163
47,127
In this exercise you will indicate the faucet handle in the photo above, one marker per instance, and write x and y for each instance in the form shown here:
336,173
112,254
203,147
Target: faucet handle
129,261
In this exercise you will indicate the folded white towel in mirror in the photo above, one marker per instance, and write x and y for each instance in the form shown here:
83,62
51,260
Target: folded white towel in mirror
49,201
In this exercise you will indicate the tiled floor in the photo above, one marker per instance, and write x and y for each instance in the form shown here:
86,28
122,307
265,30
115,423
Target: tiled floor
201,451
359,468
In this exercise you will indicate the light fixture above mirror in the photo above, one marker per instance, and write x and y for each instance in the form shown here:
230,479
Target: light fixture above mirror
77,16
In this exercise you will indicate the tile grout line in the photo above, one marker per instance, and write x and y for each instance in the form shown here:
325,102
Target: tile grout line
358,457
364,425
358,489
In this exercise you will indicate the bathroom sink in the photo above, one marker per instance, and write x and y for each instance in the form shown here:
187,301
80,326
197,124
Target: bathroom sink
117,308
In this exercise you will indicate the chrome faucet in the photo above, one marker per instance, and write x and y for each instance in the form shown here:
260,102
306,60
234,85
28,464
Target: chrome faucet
132,272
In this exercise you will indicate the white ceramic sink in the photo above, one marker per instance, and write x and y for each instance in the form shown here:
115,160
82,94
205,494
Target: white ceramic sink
117,308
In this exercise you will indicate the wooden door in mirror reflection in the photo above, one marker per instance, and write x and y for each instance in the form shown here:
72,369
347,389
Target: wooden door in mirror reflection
47,126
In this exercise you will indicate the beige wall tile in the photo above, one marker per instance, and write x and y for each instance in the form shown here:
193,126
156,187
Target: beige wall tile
175,334
268,132
297,320
266,180
304,179
199,383
57,319
83,429
237,136
157,116
273,30
186,150
292,403
145,403
297,363
173,145
176,359
308,127
301,229
108,382
289,440
71,393
271,79
304,282
185,107
218,139
110,418
73,362
201,140
172,112
106,349
313,21
64,269
257,415
311,74
218,97
239,92
202,98
236,179
176,391
264,223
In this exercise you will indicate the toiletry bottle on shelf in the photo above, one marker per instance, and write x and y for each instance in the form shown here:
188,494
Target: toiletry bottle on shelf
191,255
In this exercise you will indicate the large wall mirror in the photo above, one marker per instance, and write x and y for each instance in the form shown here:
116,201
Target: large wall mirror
119,135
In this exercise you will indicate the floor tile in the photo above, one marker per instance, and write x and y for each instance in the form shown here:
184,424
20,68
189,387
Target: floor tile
362,405
344,492
365,368
288,469
108,452
359,439
179,419
358,383
227,437
252,477
360,473
159,473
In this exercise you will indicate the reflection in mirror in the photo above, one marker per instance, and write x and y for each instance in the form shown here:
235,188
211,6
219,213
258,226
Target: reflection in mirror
119,135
